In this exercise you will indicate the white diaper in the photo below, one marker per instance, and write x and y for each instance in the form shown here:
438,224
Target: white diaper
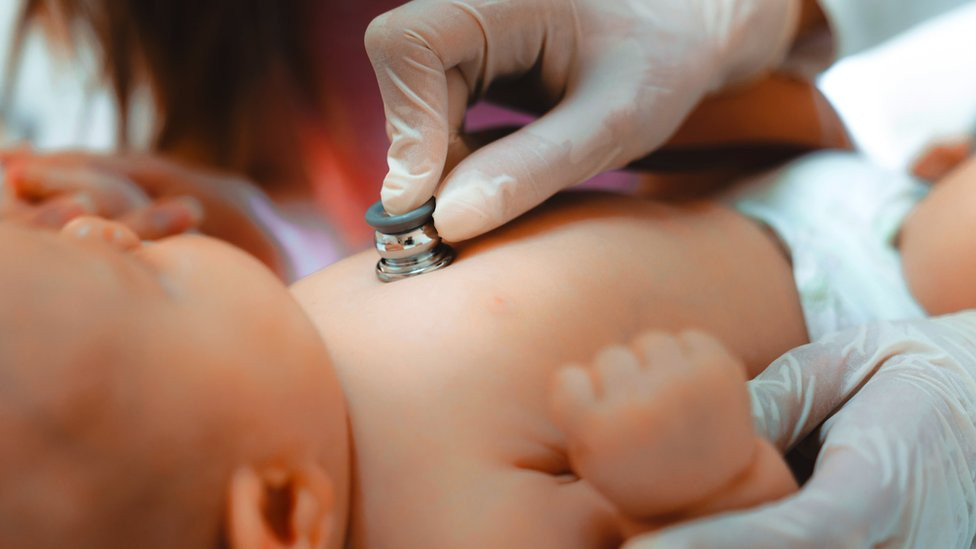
839,216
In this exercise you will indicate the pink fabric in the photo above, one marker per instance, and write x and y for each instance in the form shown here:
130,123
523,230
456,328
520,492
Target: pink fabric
308,242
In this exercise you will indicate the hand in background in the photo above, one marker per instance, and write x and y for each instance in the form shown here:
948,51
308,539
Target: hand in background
51,197
897,454
154,196
943,157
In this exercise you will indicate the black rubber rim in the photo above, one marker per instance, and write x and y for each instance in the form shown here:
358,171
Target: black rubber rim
383,222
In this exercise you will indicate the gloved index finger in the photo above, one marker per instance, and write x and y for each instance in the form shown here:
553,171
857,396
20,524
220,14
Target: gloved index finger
413,47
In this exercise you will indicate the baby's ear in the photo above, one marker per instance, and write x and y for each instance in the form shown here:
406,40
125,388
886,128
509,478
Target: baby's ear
276,507
97,229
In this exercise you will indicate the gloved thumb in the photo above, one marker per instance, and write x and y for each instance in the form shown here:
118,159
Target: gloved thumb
804,386
592,131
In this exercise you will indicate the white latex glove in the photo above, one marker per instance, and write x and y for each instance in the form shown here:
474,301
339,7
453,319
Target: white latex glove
897,462
614,79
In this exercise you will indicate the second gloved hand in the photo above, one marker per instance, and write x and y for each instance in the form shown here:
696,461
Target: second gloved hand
612,79
897,461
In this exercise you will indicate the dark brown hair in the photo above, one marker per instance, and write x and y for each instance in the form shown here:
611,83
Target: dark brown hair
213,66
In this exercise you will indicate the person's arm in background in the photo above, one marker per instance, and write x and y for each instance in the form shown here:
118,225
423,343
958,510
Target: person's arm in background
812,19
737,133
154,196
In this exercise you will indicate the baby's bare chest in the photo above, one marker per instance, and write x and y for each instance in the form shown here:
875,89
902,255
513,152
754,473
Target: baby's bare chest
465,461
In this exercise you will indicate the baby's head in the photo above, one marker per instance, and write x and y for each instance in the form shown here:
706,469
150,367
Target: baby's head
168,394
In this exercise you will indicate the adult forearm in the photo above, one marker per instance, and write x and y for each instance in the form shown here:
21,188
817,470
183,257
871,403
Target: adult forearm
812,19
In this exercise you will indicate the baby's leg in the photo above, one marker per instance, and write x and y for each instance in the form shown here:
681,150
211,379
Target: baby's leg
663,429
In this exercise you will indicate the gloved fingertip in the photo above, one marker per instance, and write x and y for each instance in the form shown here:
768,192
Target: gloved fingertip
400,199
411,181
458,220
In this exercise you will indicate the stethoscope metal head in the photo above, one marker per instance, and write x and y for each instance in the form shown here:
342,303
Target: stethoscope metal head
408,244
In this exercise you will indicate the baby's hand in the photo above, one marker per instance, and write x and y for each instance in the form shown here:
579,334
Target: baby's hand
659,426
942,157
43,191
153,195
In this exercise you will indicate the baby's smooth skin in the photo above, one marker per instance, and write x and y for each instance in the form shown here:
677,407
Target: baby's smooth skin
455,399
177,396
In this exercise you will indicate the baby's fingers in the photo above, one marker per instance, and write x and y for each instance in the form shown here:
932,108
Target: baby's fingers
571,395
35,181
13,152
165,217
57,212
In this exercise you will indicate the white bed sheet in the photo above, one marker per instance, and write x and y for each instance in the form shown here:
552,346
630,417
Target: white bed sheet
905,93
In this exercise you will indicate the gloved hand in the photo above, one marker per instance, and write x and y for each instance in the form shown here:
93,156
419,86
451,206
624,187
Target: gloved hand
614,78
897,466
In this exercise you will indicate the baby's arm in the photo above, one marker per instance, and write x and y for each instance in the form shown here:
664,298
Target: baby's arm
663,430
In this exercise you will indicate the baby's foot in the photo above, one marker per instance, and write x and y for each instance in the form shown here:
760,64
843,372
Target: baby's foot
658,426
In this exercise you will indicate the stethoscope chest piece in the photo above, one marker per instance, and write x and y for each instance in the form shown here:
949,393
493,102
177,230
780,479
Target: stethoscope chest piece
408,244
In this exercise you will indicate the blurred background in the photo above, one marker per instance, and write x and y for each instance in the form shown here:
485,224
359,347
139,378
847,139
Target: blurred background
50,100
324,164
916,88
895,98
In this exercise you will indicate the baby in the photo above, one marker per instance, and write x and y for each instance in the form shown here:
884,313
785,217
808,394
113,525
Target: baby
175,394
183,397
